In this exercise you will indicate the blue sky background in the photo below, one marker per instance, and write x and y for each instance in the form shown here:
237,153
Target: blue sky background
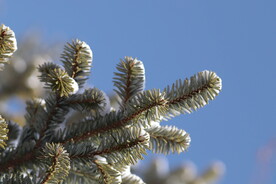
176,39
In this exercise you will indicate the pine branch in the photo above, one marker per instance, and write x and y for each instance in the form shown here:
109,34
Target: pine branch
91,99
148,104
31,139
20,158
58,163
121,147
42,120
90,126
129,80
8,44
124,146
82,153
57,80
77,60
36,110
182,97
188,95
55,114
168,139
3,133
152,105
42,117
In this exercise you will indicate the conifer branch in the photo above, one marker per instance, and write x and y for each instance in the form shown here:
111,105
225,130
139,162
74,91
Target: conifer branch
129,80
81,153
153,105
58,163
53,114
124,147
168,139
8,44
90,99
3,133
36,110
11,162
77,60
57,80
120,147
191,94
150,107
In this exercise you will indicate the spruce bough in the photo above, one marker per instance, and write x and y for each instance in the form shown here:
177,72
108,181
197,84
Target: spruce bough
102,145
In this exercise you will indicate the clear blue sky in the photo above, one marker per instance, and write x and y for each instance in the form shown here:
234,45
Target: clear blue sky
176,39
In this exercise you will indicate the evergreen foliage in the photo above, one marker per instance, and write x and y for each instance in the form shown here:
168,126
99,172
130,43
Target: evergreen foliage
102,145
3,133
8,44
